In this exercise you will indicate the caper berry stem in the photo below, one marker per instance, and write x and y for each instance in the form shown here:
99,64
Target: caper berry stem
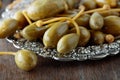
27,18
80,12
76,26
7,53
105,7
40,23
24,59
111,10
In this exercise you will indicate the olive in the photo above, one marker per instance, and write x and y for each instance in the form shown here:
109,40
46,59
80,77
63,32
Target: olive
89,4
40,9
67,43
112,3
25,59
54,33
83,20
8,27
97,37
96,21
22,20
112,25
32,32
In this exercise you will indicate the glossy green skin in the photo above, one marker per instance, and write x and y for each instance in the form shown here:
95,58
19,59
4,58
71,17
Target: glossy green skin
71,3
40,9
83,20
8,27
112,25
112,3
47,8
32,32
97,37
84,36
20,17
54,33
26,60
89,4
110,14
96,21
67,43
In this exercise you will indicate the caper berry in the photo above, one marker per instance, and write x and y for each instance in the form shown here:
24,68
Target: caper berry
25,59
97,37
112,3
54,33
67,43
32,32
96,21
112,25
89,4
41,9
8,27
84,36
20,17
110,13
83,20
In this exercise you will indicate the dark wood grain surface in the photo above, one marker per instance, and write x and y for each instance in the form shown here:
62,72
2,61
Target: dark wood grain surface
47,69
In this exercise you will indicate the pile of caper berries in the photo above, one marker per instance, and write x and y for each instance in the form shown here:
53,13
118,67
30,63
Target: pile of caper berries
92,23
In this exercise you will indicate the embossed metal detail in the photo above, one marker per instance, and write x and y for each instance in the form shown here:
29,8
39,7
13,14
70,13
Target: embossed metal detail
80,53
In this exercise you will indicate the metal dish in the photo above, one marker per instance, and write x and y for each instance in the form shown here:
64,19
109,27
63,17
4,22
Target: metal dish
79,54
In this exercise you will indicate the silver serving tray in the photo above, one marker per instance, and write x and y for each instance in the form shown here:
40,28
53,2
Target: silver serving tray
79,54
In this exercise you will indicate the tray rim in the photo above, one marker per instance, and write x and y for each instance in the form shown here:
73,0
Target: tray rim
66,58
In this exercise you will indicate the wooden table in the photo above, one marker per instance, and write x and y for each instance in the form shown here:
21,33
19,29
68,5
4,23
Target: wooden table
47,69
